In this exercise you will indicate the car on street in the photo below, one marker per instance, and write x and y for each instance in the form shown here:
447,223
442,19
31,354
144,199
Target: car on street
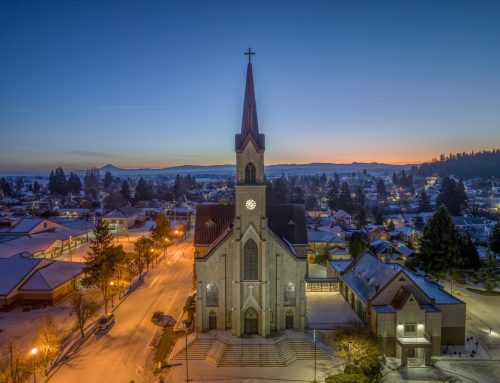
157,317
105,321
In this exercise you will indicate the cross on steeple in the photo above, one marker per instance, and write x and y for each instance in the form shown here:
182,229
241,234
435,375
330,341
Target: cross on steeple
250,54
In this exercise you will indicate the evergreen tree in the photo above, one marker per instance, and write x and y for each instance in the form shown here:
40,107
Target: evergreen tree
381,189
107,182
102,261
336,180
19,184
125,191
36,187
494,242
345,200
114,200
6,188
424,201
469,253
143,191
57,182
91,183
453,196
357,245
360,207
74,184
160,232
333,196
280,193
440,244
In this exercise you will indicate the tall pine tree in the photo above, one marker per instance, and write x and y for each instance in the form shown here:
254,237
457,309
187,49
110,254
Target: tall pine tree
440,245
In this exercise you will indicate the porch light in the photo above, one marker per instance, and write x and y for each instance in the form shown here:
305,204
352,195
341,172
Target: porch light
420,326
400,327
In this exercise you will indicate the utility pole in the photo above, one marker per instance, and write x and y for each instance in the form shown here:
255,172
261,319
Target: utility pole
314,336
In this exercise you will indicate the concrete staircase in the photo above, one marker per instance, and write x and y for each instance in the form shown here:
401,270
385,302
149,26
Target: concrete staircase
223,351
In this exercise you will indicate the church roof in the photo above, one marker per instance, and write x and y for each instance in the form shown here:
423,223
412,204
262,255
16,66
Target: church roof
289,222
211,221
249,123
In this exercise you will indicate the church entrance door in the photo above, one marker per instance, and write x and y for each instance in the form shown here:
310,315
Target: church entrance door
289,320
212,321
251,321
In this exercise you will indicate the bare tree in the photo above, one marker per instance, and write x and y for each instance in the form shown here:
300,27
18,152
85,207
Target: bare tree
13,367
84,308
48,341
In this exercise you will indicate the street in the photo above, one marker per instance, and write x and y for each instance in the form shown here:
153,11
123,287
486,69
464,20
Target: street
121,354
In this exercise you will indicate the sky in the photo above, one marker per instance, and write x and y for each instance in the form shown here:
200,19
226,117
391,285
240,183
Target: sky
161,83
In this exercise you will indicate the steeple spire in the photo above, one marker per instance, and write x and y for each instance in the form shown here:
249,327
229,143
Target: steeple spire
249,124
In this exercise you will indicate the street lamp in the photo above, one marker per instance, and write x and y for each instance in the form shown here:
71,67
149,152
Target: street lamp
34,351
187,369
314,336
112,283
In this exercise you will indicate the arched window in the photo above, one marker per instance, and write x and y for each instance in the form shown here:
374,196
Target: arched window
289,296
250,261
250,173
212,295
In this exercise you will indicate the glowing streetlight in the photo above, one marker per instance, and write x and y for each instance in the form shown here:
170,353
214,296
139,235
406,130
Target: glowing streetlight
34,351
112,283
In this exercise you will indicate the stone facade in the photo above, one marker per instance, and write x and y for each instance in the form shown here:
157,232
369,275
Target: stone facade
250,278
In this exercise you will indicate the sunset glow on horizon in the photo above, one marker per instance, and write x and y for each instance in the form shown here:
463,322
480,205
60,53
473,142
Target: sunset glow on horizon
161,84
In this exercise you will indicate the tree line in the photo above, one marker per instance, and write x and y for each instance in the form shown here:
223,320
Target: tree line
482,164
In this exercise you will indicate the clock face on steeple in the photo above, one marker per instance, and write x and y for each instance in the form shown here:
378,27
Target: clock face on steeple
250,204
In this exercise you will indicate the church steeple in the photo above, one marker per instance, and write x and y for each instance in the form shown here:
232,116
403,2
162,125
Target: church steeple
249,123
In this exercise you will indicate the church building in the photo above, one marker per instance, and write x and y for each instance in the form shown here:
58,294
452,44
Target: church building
250,257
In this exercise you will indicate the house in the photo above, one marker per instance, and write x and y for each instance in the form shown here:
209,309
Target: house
124,218
35,281
320,242
410,315
341,217
40,237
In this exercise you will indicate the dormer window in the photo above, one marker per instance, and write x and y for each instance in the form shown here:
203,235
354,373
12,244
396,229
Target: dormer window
250,177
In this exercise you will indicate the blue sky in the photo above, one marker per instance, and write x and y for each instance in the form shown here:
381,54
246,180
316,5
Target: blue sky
160,83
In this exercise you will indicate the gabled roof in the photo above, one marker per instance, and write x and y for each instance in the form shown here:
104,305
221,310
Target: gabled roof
211,221
14,269
367,275
288,221
341,214
53,275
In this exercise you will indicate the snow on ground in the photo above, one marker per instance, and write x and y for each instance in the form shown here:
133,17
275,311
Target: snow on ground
22,326
328,309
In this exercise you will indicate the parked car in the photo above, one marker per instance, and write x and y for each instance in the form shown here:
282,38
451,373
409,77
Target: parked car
157,317
105,321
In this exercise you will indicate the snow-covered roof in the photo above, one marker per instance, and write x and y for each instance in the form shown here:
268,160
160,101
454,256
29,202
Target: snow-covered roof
53,275
319,236
37,242
340,265
366,275
14,269
341,214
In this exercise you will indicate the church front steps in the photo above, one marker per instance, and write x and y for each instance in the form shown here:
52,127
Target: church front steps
221,351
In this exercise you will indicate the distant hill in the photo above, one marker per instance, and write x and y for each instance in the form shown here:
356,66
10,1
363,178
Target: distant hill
271,170
485,164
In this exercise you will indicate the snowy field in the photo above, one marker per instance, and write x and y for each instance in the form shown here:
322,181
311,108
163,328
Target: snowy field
328,310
